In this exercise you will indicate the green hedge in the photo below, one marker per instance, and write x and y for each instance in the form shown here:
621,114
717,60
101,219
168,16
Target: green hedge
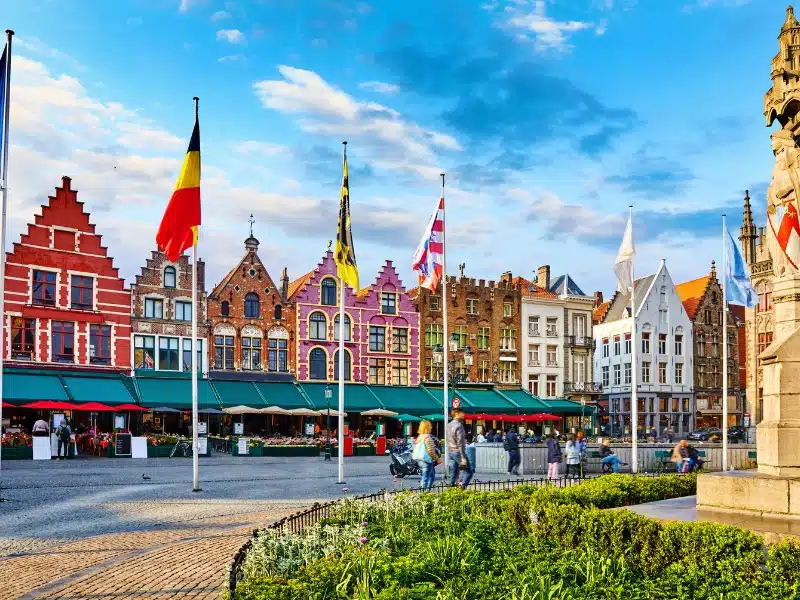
528,544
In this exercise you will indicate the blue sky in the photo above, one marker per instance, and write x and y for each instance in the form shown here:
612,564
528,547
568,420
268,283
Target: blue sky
550,117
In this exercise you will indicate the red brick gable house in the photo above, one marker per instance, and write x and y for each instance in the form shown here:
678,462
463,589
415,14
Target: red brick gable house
65,303
250,319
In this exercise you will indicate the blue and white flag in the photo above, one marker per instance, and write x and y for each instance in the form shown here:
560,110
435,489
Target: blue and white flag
738,288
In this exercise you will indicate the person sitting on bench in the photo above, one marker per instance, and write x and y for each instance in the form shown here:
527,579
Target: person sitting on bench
608,457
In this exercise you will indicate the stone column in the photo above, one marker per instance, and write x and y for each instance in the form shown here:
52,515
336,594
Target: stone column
778,437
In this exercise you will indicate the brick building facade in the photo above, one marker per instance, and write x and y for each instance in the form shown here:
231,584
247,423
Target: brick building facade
250,320
162,315
382,328
702,299
485,316
65,303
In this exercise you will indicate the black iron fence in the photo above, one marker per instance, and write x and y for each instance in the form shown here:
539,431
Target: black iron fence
299,521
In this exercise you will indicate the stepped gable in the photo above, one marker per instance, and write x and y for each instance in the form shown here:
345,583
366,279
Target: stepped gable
311,281
691,292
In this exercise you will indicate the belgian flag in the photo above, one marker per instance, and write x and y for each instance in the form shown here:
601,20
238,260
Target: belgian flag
178,229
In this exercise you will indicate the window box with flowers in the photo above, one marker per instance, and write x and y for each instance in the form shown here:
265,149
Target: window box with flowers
17,446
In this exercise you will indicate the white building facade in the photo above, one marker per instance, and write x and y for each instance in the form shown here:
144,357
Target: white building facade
543,345
664,359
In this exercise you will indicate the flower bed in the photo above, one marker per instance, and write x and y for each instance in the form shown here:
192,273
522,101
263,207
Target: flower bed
529,544
17,452
290,450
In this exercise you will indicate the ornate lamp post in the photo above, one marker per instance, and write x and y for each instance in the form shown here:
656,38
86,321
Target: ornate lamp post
328,396
438,359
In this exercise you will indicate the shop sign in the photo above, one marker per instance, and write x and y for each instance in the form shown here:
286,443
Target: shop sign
122,444
238,428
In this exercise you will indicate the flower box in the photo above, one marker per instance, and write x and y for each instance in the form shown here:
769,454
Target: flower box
364,451
17,452
158,451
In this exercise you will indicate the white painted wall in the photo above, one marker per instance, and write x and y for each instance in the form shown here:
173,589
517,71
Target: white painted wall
543,308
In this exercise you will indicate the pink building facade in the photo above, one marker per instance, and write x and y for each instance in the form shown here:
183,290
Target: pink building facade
381,328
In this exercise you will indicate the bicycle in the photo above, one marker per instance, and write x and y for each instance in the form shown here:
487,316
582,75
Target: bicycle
184,447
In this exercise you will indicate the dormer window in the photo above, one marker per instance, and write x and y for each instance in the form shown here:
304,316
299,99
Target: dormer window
328,292
170,279
251,306
225,309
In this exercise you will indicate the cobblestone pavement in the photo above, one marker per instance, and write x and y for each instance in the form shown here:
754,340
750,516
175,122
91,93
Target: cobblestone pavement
95,528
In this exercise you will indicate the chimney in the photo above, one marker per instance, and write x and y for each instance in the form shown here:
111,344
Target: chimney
598,298
543,277
285,285
506,277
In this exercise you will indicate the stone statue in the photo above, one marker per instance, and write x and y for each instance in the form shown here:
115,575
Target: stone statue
783,231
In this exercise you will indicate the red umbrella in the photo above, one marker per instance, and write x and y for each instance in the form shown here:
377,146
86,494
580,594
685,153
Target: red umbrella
545,417
49,405
131,407
94,407
8,405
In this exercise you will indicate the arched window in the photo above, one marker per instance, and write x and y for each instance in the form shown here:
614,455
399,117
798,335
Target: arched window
328,292
225,309
317,364
169,277
346,328
347,370
251,308
317,326
278,312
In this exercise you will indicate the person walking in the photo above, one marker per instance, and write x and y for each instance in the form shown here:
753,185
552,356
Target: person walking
427,455
511,446
469,470
554,456
456,442
63,434
608,457
573,452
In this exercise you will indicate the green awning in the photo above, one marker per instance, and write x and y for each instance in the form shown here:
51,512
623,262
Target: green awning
175,392
411,400
238,393
357,397
567,407
433,417
487,401
109,390
528,404
21,388
285,395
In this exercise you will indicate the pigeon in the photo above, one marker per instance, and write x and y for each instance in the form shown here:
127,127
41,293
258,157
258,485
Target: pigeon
145,477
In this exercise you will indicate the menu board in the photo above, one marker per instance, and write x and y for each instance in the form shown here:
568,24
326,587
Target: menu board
202,428
244,446
122,444
238,428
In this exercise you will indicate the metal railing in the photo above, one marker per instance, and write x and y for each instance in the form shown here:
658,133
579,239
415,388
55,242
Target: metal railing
299,521
580,341
582,387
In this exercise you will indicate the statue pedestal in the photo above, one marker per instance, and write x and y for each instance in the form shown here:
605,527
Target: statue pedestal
775,489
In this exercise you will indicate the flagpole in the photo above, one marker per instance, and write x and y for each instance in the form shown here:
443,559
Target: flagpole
445,397
724,351
195,432
634,365
4,151
341,365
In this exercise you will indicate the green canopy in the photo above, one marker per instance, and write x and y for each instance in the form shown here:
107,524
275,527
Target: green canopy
433,417
108,390
405,399
174,392
562,406
238,393
22,388
357,397
528,404
486,401
283,394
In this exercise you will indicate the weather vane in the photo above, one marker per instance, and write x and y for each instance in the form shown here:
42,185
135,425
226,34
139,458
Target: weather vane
251,220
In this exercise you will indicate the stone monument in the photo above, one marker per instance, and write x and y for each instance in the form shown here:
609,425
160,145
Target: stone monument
774,489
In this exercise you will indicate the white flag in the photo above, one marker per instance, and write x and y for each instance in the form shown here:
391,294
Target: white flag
623,266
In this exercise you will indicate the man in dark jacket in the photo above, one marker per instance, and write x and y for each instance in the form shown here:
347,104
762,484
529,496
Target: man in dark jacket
511,445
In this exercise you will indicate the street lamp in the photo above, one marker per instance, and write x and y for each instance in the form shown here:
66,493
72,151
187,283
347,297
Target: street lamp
583,406
328,396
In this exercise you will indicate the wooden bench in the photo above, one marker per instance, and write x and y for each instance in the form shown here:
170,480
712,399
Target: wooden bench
664,461
593,459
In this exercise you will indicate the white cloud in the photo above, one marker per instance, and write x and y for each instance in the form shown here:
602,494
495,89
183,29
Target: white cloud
220,15
134,21
232,36
144,137
38,47
252,147
232,58
186,5
387,140
380,87
529,21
